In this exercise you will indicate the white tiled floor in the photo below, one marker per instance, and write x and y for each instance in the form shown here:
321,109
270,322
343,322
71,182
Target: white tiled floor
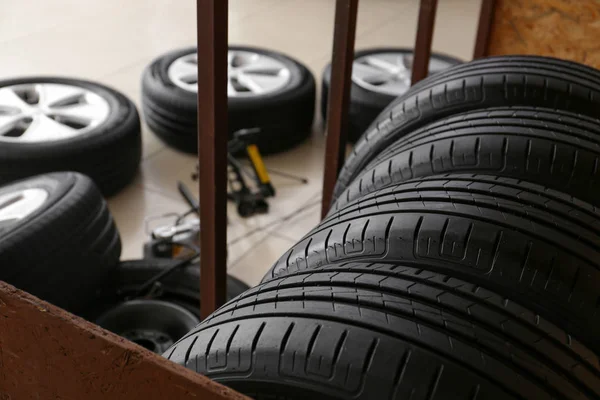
111,41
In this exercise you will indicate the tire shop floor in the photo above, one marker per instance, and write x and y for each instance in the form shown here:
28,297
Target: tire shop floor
112,41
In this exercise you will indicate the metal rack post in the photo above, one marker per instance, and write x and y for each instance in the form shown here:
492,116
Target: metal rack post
484,28
341,74
422,51
344,32
212,150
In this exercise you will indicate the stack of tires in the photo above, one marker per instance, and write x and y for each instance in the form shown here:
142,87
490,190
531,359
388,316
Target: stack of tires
59,242
460,259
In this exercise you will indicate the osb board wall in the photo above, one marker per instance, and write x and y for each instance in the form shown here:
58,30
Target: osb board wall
568,29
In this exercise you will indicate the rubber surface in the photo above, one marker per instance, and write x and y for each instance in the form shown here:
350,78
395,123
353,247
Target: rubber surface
488,82
380,331
365,105
67,248
538,246
285,117
109,154
557,149
181,286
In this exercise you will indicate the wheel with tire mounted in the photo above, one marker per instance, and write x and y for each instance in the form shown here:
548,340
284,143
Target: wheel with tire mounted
52,124
380,331
58,240
557,149
488,82
532,244
378,76
266,90
157,320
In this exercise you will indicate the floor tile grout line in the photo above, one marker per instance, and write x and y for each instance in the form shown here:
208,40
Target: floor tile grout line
163,194
149,58
284,236
54,26
147,157
380,25
125,67
268,234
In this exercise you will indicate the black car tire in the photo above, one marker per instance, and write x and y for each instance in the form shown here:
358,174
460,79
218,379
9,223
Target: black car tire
285,117
64,249
180,287
556,149
109,153
365,105
530,243
488,82
366,331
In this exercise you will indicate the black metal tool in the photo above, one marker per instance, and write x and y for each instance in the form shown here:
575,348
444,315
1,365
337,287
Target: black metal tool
248,203
188,196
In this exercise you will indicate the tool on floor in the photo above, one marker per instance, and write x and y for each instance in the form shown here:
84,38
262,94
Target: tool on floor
248,202
176,240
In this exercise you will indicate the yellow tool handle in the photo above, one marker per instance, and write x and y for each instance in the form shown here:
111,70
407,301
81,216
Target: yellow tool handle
257,163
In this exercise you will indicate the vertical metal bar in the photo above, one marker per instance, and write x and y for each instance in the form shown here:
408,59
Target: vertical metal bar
212,150
339,95
423,41
486,17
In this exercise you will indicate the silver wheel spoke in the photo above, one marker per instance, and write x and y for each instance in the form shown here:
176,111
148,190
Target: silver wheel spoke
368,73
8,123
84,114
406,60
396,85
261,83
384,63
390,72
404,75
56,95
264,65
250,84
18,205
250,74
231,89
9,99
186,71
45,128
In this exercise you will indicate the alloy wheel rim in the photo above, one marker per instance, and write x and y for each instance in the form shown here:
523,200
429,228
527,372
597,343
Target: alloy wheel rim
249,74
390,72
46,112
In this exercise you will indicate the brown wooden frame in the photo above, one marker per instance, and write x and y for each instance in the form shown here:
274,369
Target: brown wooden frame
47,353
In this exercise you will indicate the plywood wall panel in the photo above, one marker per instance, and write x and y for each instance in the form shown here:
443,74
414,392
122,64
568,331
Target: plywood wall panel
568,29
